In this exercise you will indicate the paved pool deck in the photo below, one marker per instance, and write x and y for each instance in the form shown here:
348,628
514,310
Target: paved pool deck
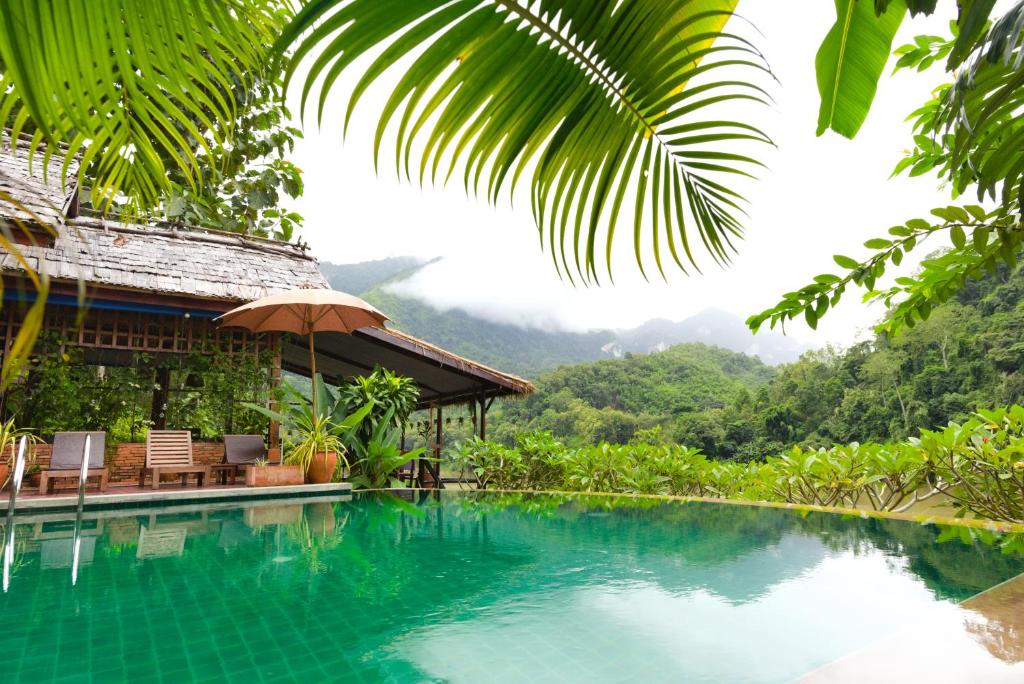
981,640
134,496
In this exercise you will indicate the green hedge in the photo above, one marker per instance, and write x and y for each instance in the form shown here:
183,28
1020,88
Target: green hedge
979,464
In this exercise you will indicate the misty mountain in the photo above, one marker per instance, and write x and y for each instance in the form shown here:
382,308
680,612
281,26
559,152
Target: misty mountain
358,278
529,351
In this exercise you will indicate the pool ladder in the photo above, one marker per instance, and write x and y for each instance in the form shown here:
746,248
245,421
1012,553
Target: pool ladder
16,476
16,480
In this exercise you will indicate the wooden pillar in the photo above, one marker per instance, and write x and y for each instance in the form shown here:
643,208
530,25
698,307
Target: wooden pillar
161,393
439,442
483,419
274,436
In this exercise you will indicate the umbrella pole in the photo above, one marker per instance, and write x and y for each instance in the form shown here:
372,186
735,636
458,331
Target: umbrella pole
312,374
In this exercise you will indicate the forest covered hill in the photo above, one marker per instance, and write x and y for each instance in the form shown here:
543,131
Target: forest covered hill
968,354
530,352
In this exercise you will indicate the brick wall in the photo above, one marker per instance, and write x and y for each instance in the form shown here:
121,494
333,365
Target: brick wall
127,458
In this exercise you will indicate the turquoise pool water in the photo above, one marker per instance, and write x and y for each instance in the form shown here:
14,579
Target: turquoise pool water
472,587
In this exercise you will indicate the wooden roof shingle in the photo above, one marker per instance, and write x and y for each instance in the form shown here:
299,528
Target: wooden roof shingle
181,262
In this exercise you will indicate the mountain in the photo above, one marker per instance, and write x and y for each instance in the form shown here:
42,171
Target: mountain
713,327
358,278
529,351
611,400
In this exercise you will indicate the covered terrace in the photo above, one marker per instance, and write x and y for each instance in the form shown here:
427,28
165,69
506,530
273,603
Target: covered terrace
146,295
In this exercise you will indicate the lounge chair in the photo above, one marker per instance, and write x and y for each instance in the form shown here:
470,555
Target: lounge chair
66,459
170,452
242,451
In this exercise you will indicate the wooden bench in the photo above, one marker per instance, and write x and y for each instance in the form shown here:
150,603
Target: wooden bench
66,459
169,452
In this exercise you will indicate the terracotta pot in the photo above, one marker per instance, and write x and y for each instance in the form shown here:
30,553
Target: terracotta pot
5,470
321,468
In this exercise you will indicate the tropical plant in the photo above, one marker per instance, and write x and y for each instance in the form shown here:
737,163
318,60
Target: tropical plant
311,437
126,87
380,456
980,463
582,105
10,437
329,431
391,394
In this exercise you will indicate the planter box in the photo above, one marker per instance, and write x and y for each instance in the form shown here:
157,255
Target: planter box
274,475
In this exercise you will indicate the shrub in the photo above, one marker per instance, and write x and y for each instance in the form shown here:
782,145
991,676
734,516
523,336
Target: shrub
979,464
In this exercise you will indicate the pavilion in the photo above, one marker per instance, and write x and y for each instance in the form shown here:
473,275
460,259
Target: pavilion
118,290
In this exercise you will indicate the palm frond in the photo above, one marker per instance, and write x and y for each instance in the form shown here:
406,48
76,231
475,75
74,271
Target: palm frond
615,111
24,228
128,84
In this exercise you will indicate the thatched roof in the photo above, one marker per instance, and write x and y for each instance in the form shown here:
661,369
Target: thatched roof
181,262
157,264
22,179
186,263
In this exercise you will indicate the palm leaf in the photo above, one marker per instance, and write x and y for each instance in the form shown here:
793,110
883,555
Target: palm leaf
130,83
850,62
606,107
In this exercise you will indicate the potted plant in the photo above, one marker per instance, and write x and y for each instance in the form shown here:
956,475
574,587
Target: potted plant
316,443
318,449
10,435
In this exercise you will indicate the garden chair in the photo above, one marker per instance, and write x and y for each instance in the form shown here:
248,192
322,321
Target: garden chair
241,451
170,452
66,459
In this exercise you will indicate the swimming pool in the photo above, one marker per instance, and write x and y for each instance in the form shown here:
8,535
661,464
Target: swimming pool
472,587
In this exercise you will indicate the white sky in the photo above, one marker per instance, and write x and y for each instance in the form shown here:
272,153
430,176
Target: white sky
820,196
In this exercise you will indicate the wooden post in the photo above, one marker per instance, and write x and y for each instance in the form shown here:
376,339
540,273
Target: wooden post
439,441
274,436
483,419
161,393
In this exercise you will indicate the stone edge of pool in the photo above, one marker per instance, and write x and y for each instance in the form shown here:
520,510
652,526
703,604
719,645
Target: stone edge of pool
975,523
177,496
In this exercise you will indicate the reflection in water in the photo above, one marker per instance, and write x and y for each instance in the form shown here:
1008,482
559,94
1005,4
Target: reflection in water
473,586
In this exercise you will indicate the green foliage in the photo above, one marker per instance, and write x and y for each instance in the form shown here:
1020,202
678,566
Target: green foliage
911,299
851,60
979,464
134,91
392,396
61,392
244,182
380,456
334,428
10,436
613,400
605,134
969,134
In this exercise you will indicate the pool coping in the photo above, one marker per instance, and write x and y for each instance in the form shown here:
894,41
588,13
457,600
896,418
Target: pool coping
157,498
975,523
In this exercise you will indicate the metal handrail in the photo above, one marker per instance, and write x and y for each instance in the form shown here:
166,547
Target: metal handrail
83,474
16,477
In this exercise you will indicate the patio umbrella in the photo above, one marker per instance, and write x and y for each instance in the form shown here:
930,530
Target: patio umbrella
304,312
